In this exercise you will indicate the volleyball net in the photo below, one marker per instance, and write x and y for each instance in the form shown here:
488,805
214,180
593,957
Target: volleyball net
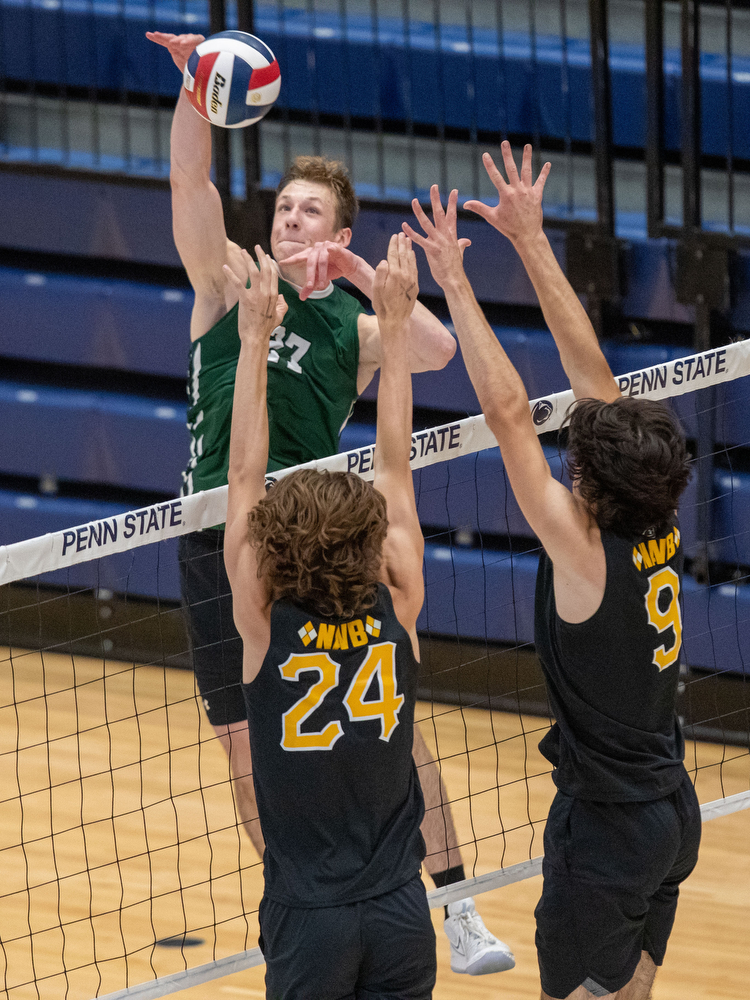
125,870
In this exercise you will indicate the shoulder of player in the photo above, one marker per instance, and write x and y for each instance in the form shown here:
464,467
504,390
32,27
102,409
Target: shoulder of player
570,534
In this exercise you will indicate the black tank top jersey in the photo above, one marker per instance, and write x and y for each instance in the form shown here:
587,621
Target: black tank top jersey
612,680
331,716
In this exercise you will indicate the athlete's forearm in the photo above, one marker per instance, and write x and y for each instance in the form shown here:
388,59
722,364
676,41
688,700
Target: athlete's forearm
190,144
580,353
499,388
248,448
394,416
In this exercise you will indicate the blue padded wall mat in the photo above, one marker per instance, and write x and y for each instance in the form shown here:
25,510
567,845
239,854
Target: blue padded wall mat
103,323
93,437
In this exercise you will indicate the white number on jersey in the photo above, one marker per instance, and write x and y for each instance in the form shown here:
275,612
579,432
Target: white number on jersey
298,345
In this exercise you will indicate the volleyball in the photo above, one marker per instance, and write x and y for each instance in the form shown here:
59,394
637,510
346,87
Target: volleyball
232,79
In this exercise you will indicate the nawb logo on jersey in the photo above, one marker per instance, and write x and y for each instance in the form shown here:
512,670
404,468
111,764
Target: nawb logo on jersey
348,635
657,551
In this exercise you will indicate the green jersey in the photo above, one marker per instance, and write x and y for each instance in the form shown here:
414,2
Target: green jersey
312,385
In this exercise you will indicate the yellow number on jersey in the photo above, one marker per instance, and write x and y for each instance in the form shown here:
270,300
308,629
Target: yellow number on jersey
292,738
662,620
380,662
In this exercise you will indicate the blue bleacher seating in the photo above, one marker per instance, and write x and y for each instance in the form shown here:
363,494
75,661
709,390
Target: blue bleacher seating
93,437
472,492
400,70
103,323
716,633
731,518
532,352
490,595
732,426
479,594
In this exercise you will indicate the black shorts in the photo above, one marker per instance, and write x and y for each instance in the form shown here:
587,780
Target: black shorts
612,873
216,644
379,949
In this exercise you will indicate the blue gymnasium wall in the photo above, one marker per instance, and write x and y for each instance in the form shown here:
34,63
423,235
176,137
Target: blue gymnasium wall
118,440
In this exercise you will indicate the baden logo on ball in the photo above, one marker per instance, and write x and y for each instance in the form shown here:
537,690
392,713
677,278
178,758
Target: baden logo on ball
232,79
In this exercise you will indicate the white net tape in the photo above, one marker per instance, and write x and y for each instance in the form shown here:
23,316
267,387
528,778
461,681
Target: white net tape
463,437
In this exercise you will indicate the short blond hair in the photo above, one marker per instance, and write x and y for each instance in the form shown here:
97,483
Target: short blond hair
333,175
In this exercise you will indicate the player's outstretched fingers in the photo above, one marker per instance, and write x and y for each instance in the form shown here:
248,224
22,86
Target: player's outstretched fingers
414,237
526,165
510,163
404,252
232,278
252,273
311,272
270,281
260,278
542,178
160,37
451,211
493,173
322,270
381,277
438,215
422,219
399,243
392,253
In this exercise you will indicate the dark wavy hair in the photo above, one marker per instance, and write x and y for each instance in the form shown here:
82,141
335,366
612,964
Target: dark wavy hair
319,539
331,173
630,462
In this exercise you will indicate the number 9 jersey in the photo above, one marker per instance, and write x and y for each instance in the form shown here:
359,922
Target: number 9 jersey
612,679
331,717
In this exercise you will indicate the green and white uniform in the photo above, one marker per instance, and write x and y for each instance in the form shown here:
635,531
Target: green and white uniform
312,385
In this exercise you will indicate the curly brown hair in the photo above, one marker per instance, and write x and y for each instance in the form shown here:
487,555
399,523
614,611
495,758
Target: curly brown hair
331,173
319,539
630,462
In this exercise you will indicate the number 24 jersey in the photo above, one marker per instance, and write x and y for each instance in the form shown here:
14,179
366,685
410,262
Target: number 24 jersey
331,717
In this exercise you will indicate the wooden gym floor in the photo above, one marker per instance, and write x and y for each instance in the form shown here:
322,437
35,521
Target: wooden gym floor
100,769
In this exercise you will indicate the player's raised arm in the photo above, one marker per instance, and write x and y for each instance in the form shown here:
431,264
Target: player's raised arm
197,214
395,292
518,215
548,506
261,310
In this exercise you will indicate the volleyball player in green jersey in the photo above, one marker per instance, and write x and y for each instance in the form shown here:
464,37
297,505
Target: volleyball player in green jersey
304,422
624,828
323,355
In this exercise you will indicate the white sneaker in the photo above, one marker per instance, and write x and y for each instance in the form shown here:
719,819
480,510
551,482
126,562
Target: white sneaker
473,949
